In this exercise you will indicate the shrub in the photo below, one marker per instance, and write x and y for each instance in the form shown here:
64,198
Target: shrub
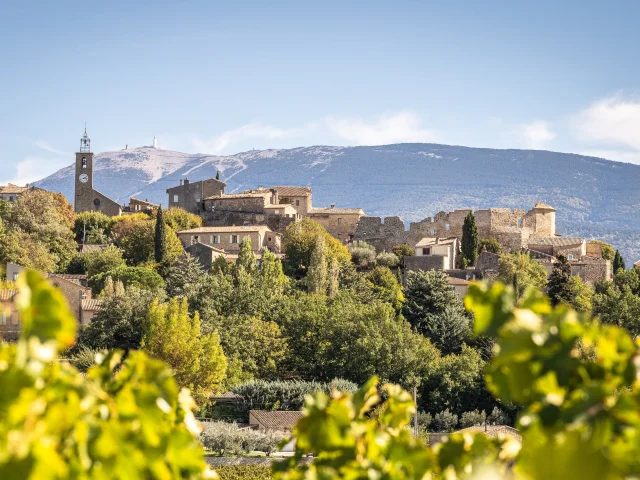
139,277
498,417
387,259
473,418
402,251
444,421
491,244
84,358
224,438
362,254
244,472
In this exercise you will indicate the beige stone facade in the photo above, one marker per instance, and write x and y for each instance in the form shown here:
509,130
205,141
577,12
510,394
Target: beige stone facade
249,202
300,198
342,223
444,248
511,227
136,205
11,192
228,239
190,196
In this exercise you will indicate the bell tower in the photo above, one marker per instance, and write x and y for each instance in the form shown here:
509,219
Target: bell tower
84,175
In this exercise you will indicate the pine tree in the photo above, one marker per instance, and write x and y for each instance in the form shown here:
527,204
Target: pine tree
317,273
618,262
470,239
218,175
559,284
160,238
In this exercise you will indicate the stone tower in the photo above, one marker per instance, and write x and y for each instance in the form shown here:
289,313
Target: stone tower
84,175
544,217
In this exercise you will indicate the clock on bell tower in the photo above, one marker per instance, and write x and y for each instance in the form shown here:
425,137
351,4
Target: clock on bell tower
84,175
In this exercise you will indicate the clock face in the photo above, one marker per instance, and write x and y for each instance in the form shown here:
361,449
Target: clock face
84,178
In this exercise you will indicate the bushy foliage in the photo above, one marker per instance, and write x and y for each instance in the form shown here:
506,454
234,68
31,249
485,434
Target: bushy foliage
444,421
101,261
84,358
490,244
402,251
135,235
138,277
244,472
387,259
498,417
473,418
179,219
469,244
385,287
85,222
300,239
124,419
362,254
520,271
227,439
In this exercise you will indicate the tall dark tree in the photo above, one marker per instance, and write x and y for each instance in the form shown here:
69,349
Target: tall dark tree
618,262
160,239
218,175
470,239
559,288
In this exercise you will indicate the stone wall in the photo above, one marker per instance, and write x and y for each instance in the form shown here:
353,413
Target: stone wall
237,204
276,223
512,228
190,195
342,226
591,270
425,262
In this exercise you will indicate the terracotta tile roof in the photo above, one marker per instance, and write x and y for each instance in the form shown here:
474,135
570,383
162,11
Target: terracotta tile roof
335,211
280,419
92,305
232,196
293,191
12,189
557,241
146,202
426,241
7,294
238,229
457,281
92,248
543,206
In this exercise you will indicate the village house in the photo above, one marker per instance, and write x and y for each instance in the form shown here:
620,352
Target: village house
228,239
190,196
458,285
136,205
300,198
251,201
339,222
205,254
9,318
571,247
433,254
11,192
280,420
73,287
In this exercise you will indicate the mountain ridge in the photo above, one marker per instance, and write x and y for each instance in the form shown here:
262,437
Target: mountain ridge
595,197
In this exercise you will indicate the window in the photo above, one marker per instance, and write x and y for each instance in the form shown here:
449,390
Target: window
215,239
339,221
433,232
269,238
195,239
426,251
570,257
15,276
233,239
3,318
297,203
447,227
175,199
84,162
519,223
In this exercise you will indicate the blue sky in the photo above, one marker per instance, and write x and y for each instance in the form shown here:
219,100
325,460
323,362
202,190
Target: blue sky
224,77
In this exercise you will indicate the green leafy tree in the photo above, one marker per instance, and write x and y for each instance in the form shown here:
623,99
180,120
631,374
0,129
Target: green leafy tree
246,258
138,277
317,274
300,239
105,260
160,239
521,271
179,219
402,251
619,306
608,251
135,236
618,262
362,254
271,278
490,244
123,419
385,287
434,310
470,239
174,336
85,222
185,278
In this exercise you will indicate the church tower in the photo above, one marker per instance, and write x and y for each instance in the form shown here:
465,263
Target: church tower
84,175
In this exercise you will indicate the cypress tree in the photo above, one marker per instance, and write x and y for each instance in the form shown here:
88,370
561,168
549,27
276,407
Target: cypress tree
559,288
470,239
618,262
160,238
218,175
317,273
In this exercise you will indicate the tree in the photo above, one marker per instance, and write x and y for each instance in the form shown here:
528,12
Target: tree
558,287
470,239
185,278
160,239
521,271
246,258
179,219
139,277
174,336
618,262
317,274
88,221
99,261
402,251
120,322
434,310
271,278
300,240
136,238
386,287
61,420
387,259
217,174
617,305
362,254
490,244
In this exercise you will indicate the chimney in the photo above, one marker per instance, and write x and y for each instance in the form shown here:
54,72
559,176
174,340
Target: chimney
186,181
333,205
180,182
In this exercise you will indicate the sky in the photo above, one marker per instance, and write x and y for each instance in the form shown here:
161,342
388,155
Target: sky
225,77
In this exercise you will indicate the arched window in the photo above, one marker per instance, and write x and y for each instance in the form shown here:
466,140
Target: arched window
84,162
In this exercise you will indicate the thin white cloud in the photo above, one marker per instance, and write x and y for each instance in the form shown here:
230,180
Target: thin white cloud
612,126
33,168
223,142
537,134
391,128
48,148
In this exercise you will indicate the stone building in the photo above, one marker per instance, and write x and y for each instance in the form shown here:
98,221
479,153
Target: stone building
205,254
228,239
342,223
279,420
571,247
300,198
190,196
252,201
87,199
512,228
433,254
136,205
11,192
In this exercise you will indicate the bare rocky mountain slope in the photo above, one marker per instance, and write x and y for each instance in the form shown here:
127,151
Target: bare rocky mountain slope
594,197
